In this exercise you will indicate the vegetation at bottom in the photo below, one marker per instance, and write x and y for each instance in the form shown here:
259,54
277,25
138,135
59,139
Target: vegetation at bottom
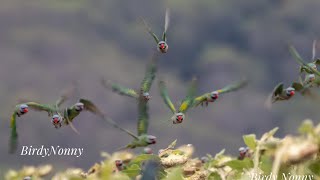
291,157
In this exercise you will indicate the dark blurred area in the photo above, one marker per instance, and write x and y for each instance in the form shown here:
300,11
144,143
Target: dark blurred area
46,45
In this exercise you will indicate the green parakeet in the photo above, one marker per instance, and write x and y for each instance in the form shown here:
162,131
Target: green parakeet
304,87
279,94
310,68
162,45
212,96
145,86
142,139
187,102
23,108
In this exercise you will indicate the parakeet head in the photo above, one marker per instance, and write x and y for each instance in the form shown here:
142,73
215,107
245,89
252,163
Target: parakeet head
163,46
311,77
213,96
146,96
79,106
290,91
204,159
313,66
177,118
23,108
119,163
151,139
147,150
56,120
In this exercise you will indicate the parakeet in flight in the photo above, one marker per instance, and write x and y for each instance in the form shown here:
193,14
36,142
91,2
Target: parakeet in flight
310,68
145,86
279,94
304,87
162,45
23,108
142,139
212,96
187,102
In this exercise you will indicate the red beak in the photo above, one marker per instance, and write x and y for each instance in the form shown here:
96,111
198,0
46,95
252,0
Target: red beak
162,46
25,110
291,93
55,120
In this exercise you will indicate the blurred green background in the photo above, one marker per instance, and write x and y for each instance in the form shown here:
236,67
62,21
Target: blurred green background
47,44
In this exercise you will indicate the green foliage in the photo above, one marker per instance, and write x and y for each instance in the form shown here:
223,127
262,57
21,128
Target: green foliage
267,156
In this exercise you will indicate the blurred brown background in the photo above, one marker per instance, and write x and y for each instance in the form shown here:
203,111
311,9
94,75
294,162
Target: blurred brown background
45,45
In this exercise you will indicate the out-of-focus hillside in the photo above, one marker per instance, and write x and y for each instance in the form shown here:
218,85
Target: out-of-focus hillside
46,45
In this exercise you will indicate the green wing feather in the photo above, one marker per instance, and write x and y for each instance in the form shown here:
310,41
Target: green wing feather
297,86
200,99
148,28
189,99
115,125
317,62
14,135
278,89
66,95
233,87
305,66
166,25
90,106
150,74
40,107
143,117
120,89
165,96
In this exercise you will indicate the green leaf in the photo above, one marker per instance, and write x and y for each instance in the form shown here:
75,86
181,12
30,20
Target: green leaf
315,167
250,141
214,176
306,127
240,164
175,174
144,157
132,171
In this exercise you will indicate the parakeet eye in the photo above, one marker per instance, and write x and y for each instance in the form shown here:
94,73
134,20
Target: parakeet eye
146,96
24,108
56,119
214,95
79,106
147,150
118,163
290,91
151,139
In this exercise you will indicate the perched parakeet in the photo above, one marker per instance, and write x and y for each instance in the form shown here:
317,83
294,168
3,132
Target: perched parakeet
162,45
23,108
186,103
279,94
212,96
142,139
145,86
310,68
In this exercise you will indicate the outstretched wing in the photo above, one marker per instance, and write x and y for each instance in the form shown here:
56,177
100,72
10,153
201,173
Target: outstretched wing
143,117
119,89
40,107
66,94
90,106
277,90
304,65
150,74
189,99
14,135
165,96
148,28
166,25
200,99
115,125
233,87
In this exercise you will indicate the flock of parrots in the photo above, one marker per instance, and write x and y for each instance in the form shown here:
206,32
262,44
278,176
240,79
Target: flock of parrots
65,116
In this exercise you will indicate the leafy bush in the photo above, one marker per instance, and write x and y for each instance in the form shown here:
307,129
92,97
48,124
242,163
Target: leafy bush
292,157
